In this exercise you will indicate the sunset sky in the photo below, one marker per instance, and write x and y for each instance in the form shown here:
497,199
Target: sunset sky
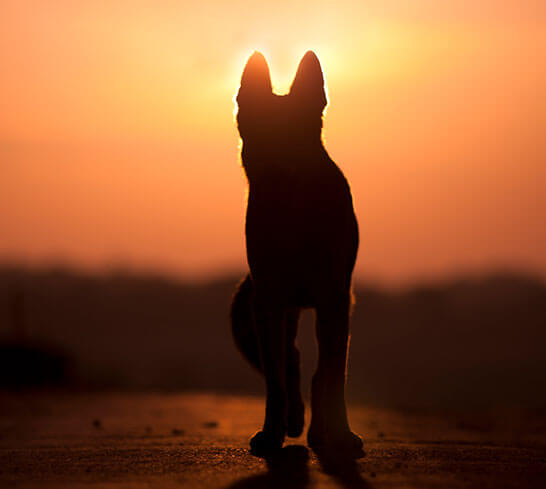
118,145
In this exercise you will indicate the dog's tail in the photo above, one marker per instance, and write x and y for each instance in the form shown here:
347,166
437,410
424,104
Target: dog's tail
242,323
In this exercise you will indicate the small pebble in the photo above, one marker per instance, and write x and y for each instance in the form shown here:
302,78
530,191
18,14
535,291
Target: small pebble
211,424
177,432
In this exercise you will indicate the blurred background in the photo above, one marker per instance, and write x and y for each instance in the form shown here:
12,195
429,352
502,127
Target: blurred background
122,198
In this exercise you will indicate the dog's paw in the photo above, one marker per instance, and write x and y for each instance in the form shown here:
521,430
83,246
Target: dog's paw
264,443
345,442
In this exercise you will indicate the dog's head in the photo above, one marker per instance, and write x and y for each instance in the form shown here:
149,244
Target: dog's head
276,121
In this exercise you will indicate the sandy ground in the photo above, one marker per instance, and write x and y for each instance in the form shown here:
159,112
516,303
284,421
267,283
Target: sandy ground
168,441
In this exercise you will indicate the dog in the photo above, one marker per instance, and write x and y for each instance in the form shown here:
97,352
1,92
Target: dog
301,242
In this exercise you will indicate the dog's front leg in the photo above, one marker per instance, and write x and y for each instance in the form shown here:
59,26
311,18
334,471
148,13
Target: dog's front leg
271,333
329,428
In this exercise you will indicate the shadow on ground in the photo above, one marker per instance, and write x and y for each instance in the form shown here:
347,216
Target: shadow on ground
290,469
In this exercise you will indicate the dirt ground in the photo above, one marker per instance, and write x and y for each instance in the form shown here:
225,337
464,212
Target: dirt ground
167,441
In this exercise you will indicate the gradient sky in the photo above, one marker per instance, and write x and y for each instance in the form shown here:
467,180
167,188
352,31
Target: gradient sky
118,145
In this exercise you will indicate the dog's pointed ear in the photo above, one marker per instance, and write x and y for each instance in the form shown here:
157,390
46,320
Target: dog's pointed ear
308,85
256,81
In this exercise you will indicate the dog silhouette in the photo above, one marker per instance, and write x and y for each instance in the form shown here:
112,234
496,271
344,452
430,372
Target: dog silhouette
301,242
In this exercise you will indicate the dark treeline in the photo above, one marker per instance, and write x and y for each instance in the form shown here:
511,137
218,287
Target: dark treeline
464,343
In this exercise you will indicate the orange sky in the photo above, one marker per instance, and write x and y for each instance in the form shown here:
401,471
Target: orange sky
117,142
